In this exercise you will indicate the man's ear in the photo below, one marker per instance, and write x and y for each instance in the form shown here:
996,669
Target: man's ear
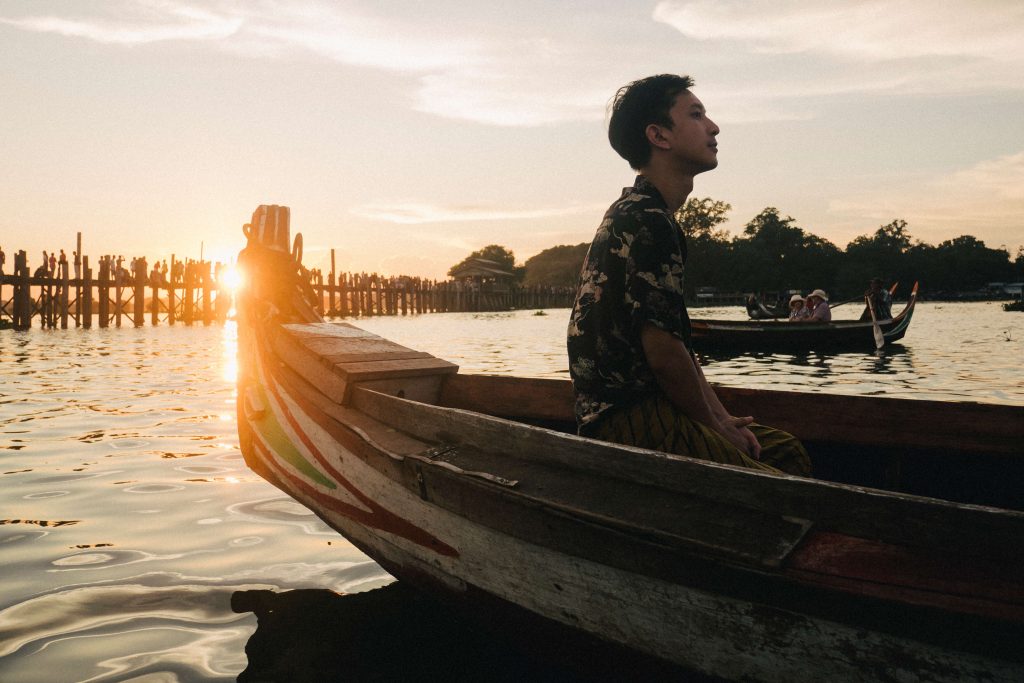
656,136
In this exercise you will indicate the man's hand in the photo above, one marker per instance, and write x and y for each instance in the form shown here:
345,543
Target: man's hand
734,429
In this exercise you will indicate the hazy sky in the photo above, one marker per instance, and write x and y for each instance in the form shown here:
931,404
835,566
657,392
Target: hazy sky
407,134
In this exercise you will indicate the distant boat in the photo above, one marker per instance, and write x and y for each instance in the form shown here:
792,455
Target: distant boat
770,335
478,489
757,310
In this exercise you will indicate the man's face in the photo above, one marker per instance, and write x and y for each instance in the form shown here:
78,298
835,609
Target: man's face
692,136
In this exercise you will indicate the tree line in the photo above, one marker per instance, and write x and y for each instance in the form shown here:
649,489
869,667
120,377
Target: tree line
773,253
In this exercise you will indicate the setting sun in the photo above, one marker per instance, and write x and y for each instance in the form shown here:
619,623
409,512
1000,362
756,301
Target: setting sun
231,278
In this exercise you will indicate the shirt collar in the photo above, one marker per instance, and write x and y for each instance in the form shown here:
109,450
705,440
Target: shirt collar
642,185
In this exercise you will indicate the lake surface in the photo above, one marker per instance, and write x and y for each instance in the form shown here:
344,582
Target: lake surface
128,518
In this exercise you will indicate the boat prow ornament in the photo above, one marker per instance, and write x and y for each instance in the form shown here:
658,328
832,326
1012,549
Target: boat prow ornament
270,259
270,227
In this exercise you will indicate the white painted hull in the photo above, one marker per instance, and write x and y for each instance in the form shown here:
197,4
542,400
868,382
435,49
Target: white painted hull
714,634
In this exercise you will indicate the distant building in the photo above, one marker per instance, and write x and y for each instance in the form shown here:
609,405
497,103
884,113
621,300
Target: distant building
1011,289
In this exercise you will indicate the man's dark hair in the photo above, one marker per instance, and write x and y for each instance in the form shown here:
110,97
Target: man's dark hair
636,106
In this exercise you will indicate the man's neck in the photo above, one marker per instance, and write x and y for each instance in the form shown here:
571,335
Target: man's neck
673,186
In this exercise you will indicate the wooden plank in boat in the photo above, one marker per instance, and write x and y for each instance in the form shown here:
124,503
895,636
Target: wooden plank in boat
522,397
964,427
328,330
889,517
914,576
350,356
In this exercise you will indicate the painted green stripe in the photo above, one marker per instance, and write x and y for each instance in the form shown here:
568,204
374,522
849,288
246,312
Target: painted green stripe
283,447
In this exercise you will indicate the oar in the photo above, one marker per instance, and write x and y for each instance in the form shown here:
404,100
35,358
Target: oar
879,339
856,298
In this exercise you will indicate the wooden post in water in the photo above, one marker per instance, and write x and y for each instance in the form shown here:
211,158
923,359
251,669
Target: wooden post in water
187,298
46,301
206,282
64,282
354,282
79,259
140,292
319,289
104,292
21,288
154,304
331,280
343,295
118,294
85,296
170,292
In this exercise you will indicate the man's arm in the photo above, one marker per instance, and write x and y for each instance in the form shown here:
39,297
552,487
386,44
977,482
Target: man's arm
684,384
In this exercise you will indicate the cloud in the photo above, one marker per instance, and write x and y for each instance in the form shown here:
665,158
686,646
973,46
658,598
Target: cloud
416,213
349,35
524,68
797,54
985,200
485,73
872,30
146,21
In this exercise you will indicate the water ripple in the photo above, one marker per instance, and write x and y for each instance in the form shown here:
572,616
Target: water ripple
120,456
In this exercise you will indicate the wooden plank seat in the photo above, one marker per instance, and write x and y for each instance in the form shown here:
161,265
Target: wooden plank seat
337,356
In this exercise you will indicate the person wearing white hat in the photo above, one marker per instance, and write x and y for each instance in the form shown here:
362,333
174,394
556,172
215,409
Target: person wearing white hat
797,310
817,303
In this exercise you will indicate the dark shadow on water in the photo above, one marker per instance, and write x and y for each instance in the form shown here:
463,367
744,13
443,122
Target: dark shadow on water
397,633
880,360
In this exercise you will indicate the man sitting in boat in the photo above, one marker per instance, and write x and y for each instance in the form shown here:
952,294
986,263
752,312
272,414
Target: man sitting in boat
797,309
818,309
635,380
880,299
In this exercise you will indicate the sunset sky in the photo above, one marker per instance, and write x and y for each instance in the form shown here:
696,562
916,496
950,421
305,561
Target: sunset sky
407,134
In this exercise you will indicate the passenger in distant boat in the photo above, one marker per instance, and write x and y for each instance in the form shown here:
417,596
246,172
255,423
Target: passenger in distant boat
797,309
635,380
817,305
880,298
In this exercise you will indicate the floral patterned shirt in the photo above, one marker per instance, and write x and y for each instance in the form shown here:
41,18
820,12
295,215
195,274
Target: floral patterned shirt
632,275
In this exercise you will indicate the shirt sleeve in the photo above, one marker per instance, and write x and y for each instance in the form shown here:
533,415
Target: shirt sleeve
654,276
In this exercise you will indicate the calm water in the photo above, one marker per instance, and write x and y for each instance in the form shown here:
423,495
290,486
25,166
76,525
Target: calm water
128,519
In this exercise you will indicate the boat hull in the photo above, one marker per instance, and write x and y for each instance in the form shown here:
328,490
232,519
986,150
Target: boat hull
710,336
691,626
725,571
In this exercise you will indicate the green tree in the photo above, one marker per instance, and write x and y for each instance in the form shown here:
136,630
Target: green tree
556,267
493,252
775,254
884,254
700,218
967,264
707,244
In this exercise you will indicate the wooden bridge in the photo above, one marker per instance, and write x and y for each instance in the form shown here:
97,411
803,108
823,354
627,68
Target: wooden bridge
193,293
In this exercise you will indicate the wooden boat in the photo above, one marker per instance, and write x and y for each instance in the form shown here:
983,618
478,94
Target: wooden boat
902,559
757,310
756,335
